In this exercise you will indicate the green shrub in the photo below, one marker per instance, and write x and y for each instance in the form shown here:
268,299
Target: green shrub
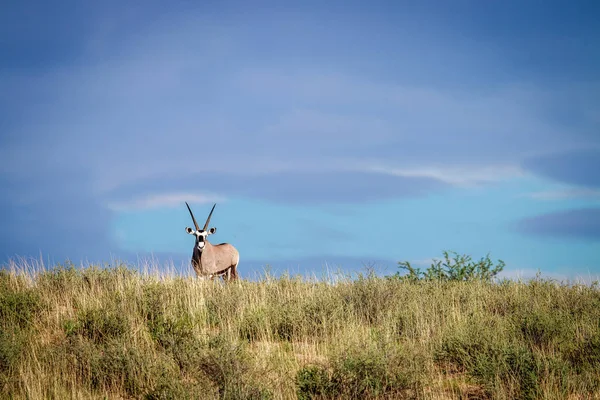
119,366
287,321
229,367
314,382
360,372
457,268
254,324
19,308
541,328
60,278
98,324
495,364
105,278
370,298
12,345
585,355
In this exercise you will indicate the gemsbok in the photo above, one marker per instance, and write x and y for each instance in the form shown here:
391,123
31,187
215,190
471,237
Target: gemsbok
208,260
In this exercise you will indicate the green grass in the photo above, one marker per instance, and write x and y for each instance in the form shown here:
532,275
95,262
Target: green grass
116,333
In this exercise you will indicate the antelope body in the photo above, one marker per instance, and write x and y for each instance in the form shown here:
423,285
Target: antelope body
208,260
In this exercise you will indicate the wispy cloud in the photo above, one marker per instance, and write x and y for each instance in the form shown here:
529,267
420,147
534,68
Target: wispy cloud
153,108
452,175
163,200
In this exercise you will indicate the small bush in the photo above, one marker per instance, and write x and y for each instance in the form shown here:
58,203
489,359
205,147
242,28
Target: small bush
176,337
585,355
314,382
229,367
541,328
456,268
99,324
168,332
370,298
359,373
495,365
254,325
19,308
288,322
118,366
105,278
60,278
12,344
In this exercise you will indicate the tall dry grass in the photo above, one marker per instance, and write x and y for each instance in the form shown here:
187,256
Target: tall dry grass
95,332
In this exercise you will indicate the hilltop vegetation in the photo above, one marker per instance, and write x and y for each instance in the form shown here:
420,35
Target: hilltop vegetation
117,333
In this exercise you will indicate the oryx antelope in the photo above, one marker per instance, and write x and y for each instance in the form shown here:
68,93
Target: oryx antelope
208,260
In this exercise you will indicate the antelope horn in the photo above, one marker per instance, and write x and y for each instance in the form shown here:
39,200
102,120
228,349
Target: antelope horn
192,214
209,215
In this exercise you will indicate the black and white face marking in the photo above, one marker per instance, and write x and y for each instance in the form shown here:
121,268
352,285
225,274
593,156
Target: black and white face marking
200,236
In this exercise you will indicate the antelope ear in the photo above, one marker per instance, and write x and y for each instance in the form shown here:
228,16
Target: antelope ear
212,230
189,230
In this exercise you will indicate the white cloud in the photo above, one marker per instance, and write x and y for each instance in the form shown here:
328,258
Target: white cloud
501,124
163,200
456,176
181,98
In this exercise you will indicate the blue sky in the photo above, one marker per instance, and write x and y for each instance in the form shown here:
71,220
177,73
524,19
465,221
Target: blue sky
345,134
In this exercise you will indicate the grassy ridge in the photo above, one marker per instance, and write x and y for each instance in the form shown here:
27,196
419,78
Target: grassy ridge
91,333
